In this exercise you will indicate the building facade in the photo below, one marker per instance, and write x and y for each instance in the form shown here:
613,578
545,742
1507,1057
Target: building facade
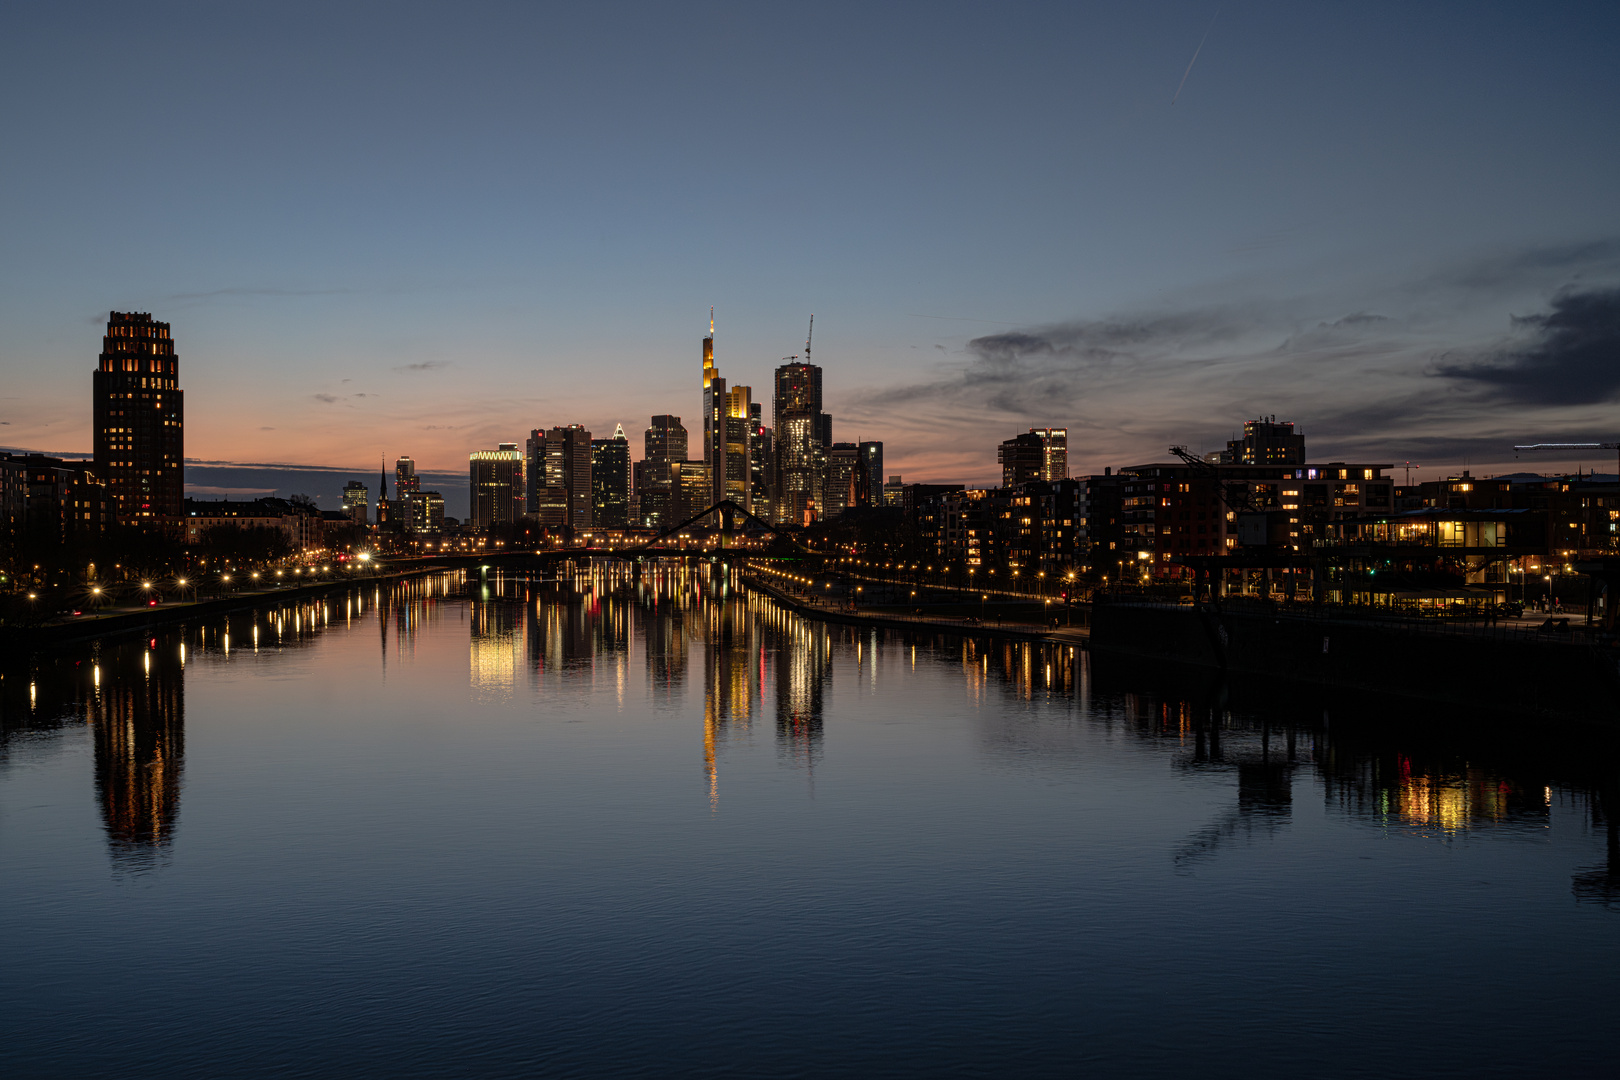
139,416
1264,442
558,475
610,481
356,502
1022,458
495,491
870,492
663,444
802,436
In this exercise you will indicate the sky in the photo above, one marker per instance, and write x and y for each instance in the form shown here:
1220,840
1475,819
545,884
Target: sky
388,229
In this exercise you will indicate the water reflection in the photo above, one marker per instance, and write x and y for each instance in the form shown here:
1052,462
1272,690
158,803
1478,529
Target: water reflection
139,729
584,629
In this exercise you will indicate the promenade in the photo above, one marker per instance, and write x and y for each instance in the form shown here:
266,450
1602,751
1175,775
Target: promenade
127,618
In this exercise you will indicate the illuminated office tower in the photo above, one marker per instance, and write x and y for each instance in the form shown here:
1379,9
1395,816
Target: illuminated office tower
355,502
1054,452
406,485
690,489
495,485
737,456
842,486
800,428
139,419
871,480
559,477
663,444
762,466
714,419
610,481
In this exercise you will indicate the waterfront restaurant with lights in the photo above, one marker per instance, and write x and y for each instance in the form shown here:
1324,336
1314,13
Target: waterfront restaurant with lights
1441,560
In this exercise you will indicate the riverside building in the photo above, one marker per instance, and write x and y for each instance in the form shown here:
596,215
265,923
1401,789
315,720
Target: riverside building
139,413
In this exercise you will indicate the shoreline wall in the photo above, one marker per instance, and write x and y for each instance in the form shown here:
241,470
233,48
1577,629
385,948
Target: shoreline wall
1564,679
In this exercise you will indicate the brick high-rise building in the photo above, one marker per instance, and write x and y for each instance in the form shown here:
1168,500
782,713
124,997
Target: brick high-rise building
140,421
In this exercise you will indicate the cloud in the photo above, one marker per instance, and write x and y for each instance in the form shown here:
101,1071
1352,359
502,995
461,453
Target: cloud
425,365
1569,355
267,429
1392,369
330,399
215,489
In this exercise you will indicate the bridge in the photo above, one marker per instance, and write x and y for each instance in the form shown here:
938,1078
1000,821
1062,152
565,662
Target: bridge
732,522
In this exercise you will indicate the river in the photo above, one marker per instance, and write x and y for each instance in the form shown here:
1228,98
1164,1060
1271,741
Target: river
596,826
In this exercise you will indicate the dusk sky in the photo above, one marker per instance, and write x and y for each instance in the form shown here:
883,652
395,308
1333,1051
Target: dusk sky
423,229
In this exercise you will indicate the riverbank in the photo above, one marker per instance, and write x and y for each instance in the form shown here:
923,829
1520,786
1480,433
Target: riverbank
830,611
1570,676
116,622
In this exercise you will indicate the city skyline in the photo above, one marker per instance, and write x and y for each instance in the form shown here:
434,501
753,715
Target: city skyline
1383,224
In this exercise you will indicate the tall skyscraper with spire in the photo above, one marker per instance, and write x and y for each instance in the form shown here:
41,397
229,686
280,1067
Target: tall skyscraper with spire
727,433
714,407
139,437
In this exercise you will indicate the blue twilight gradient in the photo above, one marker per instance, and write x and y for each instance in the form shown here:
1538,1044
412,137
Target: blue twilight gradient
457,222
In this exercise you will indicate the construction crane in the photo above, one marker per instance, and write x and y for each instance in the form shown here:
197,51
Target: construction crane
1572,446
807,338
1236,499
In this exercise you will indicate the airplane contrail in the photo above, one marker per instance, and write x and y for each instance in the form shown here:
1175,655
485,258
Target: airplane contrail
1196,51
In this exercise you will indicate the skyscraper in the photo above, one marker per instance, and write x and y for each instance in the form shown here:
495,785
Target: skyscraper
714,411
610,480
871,492
801,453
406,485
139,421
559,471
727,434
663,445
762,452
495,485
843,478
736,453
1054,452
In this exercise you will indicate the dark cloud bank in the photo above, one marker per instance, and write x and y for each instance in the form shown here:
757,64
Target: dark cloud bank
1571,355
1417,372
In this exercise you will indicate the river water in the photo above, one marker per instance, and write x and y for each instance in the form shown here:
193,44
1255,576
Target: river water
593,826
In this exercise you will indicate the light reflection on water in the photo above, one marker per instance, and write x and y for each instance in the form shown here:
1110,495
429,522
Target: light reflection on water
665,822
